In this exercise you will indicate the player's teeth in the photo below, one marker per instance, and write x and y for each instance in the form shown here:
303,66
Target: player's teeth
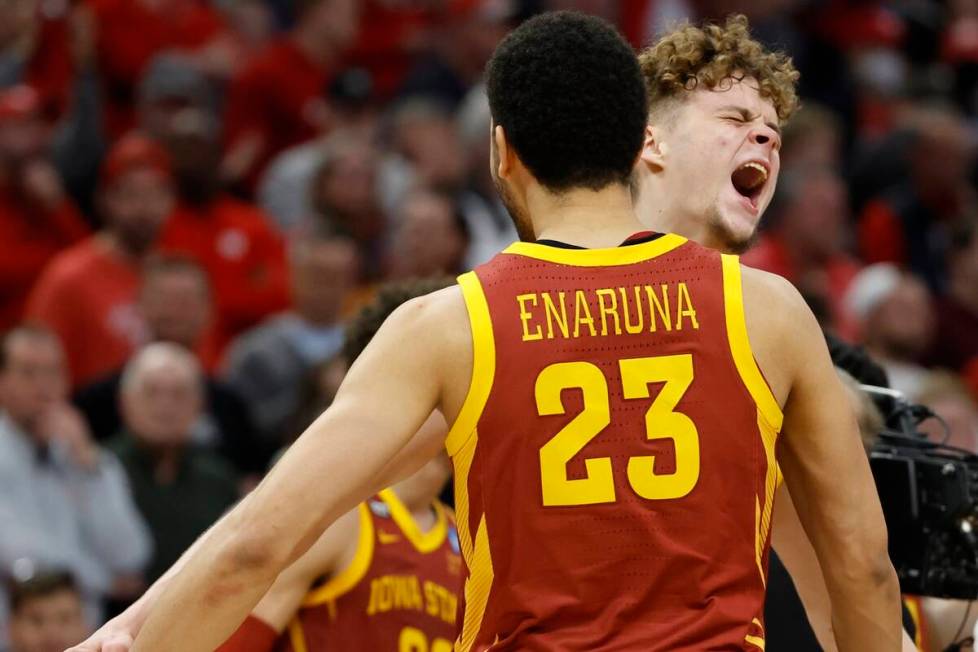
757,166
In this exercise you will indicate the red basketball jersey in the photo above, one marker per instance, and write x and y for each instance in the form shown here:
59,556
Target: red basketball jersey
400,592
614,457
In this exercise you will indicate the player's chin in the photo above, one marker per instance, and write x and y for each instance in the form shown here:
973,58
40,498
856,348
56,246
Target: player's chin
739,229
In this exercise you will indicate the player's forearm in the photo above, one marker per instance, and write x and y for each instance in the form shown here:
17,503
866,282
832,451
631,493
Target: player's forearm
866,615
224,578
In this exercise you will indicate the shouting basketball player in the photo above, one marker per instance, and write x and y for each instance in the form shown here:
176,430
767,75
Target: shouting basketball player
613,436
708,171
386,576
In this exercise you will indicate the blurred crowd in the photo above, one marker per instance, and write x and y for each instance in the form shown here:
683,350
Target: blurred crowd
195,195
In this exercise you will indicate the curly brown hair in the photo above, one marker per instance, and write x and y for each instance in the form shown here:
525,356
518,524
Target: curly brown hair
712,55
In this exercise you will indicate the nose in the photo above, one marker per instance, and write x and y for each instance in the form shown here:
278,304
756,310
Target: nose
765,136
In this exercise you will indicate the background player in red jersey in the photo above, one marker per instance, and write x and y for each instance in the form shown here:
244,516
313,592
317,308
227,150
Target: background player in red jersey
386,576
684,184
569,112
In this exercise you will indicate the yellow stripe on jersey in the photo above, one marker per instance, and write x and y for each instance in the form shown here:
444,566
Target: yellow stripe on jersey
598,257
477,588
478,558
757,641
769,414
483,363
425,542
763,527
297,637
739,341
349,577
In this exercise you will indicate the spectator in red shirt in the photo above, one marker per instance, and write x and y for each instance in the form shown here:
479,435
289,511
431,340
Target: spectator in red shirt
131,32
87,294
908,224
232,240
956,340
276,100
806,241
36,218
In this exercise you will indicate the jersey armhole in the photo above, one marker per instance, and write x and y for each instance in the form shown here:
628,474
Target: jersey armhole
345,580
740,349
483,363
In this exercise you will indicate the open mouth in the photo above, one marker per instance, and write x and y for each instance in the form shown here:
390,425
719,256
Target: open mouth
748,180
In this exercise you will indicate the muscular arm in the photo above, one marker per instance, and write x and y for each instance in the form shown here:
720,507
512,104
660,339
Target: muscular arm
791,543
387,395
826,469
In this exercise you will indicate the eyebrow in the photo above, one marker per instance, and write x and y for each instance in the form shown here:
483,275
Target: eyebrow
748,116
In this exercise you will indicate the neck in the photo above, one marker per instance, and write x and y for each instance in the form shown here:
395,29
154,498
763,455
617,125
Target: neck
573,217
663,220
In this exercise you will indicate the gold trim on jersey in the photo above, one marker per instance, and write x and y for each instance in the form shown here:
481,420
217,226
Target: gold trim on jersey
769,414
757,641
424,542
627,255
349,577
478,557
483,363
297,637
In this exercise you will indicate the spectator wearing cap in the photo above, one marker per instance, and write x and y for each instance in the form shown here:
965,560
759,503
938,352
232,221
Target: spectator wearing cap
243,256
284,189
87,294
64,502
180,488
175,300
892,311
37,220
806,241
956,337
275,101
131,32
268,365
46,613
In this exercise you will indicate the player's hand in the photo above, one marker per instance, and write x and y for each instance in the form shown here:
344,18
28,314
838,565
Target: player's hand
111,637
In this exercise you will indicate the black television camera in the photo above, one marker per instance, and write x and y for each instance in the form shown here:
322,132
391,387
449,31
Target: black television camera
929,492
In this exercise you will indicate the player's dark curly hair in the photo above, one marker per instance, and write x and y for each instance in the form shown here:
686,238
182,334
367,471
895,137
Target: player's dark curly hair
711,55
568,91
365,325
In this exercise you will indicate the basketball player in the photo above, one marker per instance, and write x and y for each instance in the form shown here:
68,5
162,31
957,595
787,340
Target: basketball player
386,576
708,170
613,435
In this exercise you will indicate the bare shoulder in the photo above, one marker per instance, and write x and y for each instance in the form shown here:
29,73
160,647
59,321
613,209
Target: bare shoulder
435,327
780,326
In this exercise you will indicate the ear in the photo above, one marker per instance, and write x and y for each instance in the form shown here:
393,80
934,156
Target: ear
505,152
654,150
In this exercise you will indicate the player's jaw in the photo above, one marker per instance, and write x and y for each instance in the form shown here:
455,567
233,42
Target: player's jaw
744,196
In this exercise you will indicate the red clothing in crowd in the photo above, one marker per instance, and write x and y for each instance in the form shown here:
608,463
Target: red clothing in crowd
130,33
243,256
276,98
833,277
87,295
31,237
881,235
956,343
50,69
389,34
